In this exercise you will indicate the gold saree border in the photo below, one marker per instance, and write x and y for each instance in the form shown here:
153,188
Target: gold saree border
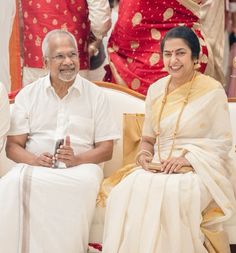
216,241
192,6
202,85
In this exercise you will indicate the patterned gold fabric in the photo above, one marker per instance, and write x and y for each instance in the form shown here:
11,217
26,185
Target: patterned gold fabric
132,131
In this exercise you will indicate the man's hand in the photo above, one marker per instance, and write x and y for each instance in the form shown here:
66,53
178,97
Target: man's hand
65,154
15,149
94,45
45,160
174,164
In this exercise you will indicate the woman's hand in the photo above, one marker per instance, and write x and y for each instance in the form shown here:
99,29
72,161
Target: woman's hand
174,164
66,154
145,155
144,161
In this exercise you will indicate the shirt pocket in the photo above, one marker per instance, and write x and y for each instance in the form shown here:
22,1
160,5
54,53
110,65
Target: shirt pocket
81,129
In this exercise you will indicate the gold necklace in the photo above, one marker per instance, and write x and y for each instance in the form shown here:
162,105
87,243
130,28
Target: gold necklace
185,101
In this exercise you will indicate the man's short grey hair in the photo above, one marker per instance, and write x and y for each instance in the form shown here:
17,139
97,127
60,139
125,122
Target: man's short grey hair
56,32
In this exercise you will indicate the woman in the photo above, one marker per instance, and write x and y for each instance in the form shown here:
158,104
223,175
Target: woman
187,138
134,44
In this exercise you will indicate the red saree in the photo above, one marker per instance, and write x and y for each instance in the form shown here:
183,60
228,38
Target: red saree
42,16
134,45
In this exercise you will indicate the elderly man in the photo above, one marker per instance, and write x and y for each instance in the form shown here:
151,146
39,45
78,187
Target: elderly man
50,206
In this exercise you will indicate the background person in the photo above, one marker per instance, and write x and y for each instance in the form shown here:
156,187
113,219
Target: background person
4,124
134,45
7,14
4,115
231,64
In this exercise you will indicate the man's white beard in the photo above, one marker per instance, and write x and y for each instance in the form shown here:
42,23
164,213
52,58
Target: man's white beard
67,78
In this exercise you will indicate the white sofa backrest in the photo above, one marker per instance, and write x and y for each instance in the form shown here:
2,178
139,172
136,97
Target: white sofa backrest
121,102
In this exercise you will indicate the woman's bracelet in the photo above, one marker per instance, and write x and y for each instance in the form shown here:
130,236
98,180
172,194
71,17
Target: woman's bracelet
140,153
184,152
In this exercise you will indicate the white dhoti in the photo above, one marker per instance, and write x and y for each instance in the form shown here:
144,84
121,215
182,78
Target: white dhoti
47,210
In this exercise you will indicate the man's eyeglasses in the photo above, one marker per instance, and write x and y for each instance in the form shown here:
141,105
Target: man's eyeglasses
73,56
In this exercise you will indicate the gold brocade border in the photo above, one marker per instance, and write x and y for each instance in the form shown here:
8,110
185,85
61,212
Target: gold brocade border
192,6
175,98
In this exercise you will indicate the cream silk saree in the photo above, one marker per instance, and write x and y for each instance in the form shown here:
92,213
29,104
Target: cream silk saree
177,213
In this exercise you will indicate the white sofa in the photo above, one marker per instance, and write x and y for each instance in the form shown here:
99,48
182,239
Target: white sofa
126,101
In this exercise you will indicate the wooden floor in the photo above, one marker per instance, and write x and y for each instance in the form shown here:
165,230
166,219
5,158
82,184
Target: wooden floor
233,248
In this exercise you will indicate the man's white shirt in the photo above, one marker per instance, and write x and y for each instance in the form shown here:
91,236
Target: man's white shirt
84,114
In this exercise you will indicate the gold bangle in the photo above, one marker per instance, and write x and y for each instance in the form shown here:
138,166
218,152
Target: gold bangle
184,152
142,152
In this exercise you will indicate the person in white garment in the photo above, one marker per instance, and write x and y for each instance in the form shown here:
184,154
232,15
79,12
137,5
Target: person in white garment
4,125
49,197
7,14
4,115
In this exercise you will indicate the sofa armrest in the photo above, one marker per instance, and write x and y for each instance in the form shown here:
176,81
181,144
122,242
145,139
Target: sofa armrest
122,100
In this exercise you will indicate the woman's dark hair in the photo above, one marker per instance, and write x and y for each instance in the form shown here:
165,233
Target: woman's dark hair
185,33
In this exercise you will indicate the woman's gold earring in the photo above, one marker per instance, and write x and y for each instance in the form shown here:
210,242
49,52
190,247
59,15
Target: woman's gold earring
196,65
164,69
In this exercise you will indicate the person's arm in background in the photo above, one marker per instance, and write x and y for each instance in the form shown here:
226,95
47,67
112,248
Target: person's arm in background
4,115
100,17
100,23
